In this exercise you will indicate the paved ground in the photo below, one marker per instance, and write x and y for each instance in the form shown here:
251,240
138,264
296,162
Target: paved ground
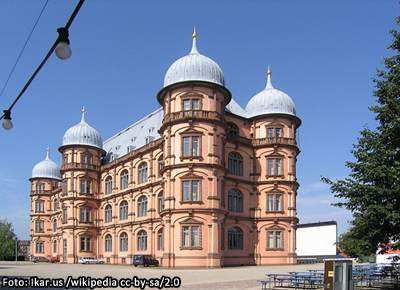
237,278
234,278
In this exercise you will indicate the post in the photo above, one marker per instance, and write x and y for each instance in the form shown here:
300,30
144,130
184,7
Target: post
16,250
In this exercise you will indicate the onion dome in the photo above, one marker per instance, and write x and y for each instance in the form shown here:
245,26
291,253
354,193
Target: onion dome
82,134
270,101
46,169
194,67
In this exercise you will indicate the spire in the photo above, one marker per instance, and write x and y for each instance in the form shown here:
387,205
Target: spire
194,45
83,115
48,153
269,84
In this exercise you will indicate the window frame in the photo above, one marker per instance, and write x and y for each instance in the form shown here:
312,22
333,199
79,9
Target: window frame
85,244
123,242
275,166
143,172
85,214
124,179
39,226
235,238
142,206
272,202
275,239
191,193
191,236
235,164
86,186
142,241
108,185
123,210
39,247
235,200
108,243
39,206
160,239
108,214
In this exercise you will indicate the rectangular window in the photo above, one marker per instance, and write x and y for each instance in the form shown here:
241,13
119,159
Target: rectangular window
274,202
278,132
185,237
274,240
85,159
275,166
40,187
124,243
39,247
160,241
270,132
85,215
270,240
86,186
39,227
39,206
191,146
64,215
55,247
190,236
191,190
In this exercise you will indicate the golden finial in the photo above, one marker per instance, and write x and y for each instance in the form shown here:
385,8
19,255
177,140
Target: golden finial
83,110
194,33
269,70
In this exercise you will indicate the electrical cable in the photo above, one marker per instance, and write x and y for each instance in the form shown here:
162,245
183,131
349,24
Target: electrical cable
23,48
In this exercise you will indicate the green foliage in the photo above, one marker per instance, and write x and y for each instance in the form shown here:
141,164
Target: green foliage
372,190
7,240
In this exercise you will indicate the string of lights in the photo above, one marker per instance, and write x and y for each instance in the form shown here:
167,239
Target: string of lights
62,50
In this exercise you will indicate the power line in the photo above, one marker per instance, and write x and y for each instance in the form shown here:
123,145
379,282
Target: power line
23,48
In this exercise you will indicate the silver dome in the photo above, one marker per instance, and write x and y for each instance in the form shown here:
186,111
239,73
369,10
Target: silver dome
82,134
270,101
46,169
194,67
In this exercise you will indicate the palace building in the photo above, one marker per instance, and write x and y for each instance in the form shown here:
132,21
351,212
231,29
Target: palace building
199,182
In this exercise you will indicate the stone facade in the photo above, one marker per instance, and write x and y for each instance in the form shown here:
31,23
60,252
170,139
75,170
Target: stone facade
215,188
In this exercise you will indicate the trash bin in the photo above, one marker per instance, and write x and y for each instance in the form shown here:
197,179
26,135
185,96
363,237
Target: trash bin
338,274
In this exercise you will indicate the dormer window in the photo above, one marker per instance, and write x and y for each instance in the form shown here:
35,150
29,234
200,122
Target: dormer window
40,187
86,159
191,104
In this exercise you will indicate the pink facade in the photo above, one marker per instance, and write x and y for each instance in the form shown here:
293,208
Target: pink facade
215,188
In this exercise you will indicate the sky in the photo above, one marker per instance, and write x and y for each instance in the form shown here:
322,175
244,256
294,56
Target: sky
323,54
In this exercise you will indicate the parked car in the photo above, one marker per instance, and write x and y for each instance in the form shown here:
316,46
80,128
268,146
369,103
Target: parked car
89,260
145,260
39,259
54,260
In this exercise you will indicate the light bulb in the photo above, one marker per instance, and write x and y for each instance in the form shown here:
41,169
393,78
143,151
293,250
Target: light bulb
63,51
7,124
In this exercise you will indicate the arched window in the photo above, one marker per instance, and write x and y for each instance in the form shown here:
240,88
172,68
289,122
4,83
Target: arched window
109,185
108,241
235,164
160,202
142,206
235,201
108,214
142,173
233,129
55,246
123,210
123,242
160,165
142,241
124,179
55,205
235,238
55,225
160,240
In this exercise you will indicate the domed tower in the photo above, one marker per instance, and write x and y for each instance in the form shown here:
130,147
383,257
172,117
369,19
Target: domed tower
272,115
194,99
82,150
44,182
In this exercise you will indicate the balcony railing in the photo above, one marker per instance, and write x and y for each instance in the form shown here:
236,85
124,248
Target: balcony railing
80,166
273,141
192,114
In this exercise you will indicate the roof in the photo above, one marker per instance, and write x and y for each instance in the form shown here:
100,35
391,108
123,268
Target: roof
83,134
46,169
317,224
194,67
144,131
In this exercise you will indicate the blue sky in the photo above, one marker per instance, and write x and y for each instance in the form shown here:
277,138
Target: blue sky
323,54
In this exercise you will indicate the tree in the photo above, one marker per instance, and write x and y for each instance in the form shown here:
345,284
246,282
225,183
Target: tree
372,190
7,240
